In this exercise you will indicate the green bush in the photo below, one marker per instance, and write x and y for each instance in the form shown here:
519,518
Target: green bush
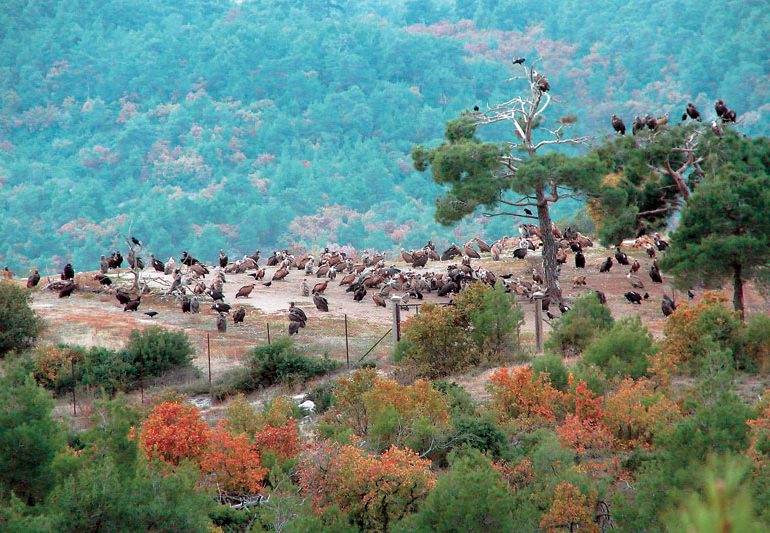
554,367
268,365
623,350
19,325
756,343
481,433
577,328
593,376
158,349
101,367
460,402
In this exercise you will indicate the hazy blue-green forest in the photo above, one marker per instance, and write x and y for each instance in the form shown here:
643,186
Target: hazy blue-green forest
207,124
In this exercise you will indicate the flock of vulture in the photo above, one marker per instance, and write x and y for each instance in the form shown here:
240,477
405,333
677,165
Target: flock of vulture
190,281
724,114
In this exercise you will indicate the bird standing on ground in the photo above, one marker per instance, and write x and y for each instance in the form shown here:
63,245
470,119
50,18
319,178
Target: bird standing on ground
238,315
221,323
320,302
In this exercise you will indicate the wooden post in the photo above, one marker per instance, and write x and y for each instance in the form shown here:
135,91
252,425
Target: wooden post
74,403
538,322
396,300
208,346
141,380
347,348
268,332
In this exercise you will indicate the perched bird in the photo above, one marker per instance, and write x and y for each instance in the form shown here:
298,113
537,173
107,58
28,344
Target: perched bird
660,243
104,265
691,112
667,305
238,315
220,307
33,280
67,290
520,253
103,279
601,297
580,260
216,294
245,291
320,302
651,123
729,116
621,257
720,108
550,315
634,297
617,125
476,108
157,264
606,266
151,314
638,125
221,323
378,300
136,241
297,315
132,305
635,266
528,211
541,81
68,272
319,288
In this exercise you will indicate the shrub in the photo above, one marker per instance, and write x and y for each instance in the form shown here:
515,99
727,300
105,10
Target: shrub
553,366
495,318
482,434
174,432
577,328
520,396
756,343
158,349
19,325
623,350
434,345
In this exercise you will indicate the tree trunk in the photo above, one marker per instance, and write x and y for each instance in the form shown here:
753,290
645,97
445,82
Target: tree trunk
550,265
738,291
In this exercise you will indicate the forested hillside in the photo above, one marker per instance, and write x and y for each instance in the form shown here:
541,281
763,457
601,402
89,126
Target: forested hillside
208,124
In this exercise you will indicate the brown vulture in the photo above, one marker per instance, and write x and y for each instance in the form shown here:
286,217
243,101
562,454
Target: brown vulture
319,288
638,125
633,297
606,266
378,300
691,112
67,290
580,260
132,305
621,257
618,125
297,315
320,302
720,108
280,274
238,315
157,264
222,259
33,280
245,291
220,307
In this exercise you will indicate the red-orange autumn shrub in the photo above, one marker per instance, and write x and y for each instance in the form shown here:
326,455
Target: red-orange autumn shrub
376,491
517,476
175,431
584,429
569,511
636,412
517,395
233,462
759,448
283,441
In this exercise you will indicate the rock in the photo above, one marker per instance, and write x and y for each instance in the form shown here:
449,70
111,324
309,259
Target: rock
307,406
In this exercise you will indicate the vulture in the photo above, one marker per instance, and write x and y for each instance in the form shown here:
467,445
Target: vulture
157,264
216,294
320,302
541,82
319,288
450,286
662,121
563,308
151,314
536,277
575,246
716,129
483,246
244,291
470,251
220,307
68,272
651,122
359,293
199,269
221,323
601,297
103,279
451,252
134,261
195,306
620,257
132,305
606,266
638,125
378,300
273,259
667,305
33,280
655,274
720,108
618,125
297,315
729,116
104,265
580,260
322,271
168,268
67,290
635,266
280,274
294,327
222,259
238,315
187,259
633,297
650,250
691,112
520,253
406,256
136,241
122,296
421,261
636,283
185,305
660,243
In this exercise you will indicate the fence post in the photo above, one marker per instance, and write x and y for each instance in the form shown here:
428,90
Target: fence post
208,349
538,297
396,318
74,403
268,332
347,348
